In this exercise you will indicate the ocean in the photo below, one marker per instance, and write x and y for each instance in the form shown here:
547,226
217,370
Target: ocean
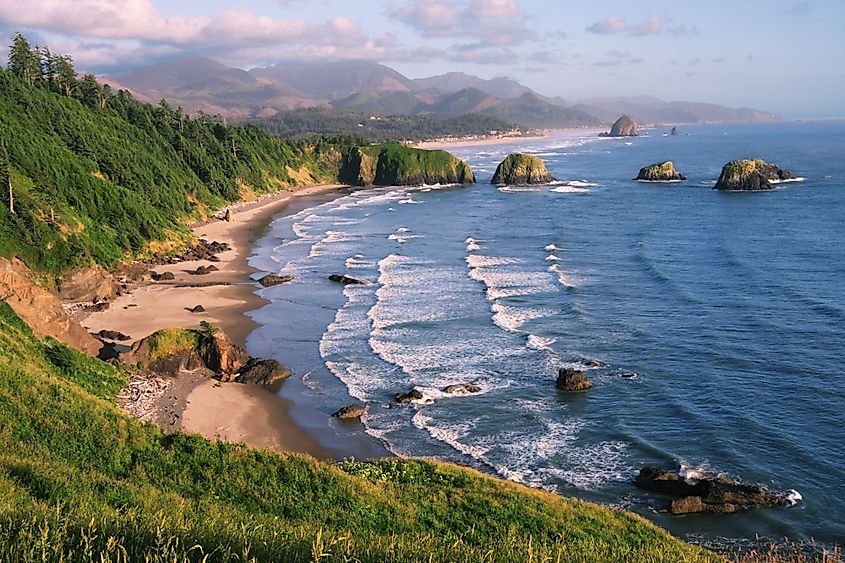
718,320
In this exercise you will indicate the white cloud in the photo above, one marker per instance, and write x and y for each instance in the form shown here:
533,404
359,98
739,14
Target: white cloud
652,25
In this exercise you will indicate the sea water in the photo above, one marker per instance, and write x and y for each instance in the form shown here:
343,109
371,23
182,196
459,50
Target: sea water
718,319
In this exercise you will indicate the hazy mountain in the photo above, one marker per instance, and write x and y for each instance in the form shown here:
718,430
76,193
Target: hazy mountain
202,84
530,110
647,110
503,88
332,81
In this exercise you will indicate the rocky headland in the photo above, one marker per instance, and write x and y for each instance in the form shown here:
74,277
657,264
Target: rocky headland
750,175
521,169
394,164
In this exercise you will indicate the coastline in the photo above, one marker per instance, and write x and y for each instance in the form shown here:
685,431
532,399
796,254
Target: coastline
228,411
493,141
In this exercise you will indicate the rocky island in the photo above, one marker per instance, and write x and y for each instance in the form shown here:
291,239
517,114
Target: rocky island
394,164
623,127
750,175
660,172
521,169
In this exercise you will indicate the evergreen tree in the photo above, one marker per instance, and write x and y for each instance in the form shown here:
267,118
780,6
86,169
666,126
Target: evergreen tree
65,75
24,60
5,175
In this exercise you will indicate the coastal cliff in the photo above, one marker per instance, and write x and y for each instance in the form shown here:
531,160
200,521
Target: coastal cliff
521,169
394,164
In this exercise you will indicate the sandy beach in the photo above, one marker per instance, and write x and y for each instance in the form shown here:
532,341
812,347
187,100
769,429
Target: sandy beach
493,141
229,411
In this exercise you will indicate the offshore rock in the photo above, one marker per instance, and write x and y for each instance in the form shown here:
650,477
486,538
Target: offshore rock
750,175
349,412
569,379
346,280
623,127
273,279
394,164
520,170
660,172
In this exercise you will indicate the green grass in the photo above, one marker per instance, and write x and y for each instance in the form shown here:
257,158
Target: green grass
81,481
397,164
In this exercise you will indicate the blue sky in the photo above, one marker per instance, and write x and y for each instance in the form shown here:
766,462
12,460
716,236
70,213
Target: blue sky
781,56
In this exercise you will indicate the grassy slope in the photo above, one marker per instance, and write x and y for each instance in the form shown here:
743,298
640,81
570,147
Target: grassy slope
397,164
78,478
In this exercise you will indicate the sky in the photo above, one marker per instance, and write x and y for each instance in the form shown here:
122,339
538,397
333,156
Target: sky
777,55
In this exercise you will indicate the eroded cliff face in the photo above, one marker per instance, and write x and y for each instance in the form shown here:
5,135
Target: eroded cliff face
41,308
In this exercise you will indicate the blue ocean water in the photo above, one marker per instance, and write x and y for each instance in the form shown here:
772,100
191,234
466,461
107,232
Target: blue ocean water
728,307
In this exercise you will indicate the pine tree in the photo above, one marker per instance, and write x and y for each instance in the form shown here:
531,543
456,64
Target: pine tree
65,75
24,61
5,175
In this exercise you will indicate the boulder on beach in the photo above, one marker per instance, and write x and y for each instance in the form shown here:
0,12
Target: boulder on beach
706,494
112,335
262,372
349,412
569,379
750,175
165,276
203,270
623,127
521,169
660,172
229,216
197,309
274,279
346,280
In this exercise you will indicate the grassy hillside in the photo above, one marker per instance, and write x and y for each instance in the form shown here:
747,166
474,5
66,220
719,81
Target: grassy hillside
80,479
98,177
396,164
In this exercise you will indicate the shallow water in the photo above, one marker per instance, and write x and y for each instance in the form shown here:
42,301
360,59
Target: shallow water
729,308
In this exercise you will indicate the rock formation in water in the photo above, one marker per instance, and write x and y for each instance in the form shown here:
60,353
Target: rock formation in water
521,169
394,164
674,132
706,494
349,412
569,379
660,172
623,127
274,279
750,175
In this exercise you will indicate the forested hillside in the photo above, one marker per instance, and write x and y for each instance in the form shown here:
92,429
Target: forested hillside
90,175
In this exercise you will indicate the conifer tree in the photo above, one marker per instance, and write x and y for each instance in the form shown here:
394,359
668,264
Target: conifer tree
24,61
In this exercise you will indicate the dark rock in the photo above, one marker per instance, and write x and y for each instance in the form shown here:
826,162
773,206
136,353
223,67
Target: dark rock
623,127
166,276
412,395
660,172
521,169
108,352
262,372
99,307
750,175
674,132
229,216
707,494
112,335
462,388
213,259
345,280
203,270
628,375
273,279
197,309
569,379
349,412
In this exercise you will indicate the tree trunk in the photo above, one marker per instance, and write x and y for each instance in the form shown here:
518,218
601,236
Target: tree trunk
11,198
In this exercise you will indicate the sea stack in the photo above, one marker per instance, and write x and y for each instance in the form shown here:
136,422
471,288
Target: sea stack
623,127
660,172
521,169
750,175
570,380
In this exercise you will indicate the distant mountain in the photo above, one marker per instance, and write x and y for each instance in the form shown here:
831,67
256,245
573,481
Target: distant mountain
648,110
332,81
529,110
202,84
503,88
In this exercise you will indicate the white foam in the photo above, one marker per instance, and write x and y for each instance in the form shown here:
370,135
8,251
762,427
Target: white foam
512,318
787,181
479,261
581,184
562,278
409,201
540,343
451,436
472,247
403,230
793,497
551,247
552,257
401,239
520,189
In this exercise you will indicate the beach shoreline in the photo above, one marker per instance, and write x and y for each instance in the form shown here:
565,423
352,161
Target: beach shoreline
227,411
494,141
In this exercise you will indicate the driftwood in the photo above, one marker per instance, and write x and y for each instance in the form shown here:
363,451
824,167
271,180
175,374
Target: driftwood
140,397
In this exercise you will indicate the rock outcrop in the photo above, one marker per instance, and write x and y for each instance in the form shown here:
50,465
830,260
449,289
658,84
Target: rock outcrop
750,175
569,380
40,308
274,279
660,172
394,164
412,395
462,389
521,169
88,285
262,372
623,127
706,494
674,132
349,412
346,280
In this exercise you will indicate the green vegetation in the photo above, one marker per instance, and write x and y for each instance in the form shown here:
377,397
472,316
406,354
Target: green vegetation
79,481
397,164
660,172
382,128
521,168
92,176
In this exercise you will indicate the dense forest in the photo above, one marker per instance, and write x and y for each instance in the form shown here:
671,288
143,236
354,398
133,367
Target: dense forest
92,175
305,122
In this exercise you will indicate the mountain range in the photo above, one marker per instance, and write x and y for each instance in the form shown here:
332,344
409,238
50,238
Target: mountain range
200,84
